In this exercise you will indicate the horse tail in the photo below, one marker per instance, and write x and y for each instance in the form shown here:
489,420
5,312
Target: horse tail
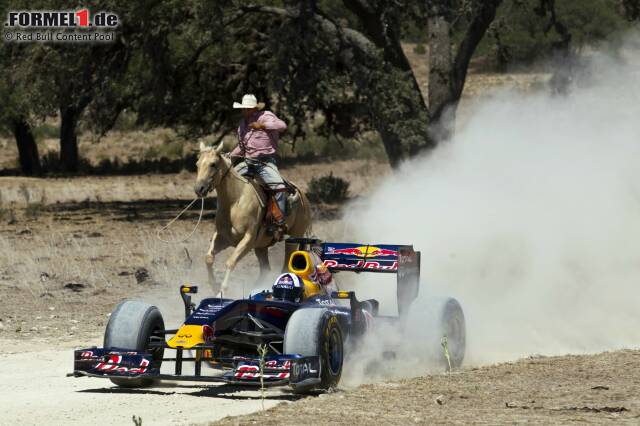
303,217
306,209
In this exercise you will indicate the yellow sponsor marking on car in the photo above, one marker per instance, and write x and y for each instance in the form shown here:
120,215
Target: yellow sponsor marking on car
187,336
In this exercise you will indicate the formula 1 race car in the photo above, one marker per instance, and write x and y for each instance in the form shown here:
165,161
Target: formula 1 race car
266,339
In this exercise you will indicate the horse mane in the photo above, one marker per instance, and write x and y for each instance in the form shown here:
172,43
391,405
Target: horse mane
227,162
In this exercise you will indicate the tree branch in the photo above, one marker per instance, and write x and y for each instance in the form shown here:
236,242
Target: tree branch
354,38
479,25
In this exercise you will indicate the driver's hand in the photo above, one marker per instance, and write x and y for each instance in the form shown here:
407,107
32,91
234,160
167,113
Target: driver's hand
256,125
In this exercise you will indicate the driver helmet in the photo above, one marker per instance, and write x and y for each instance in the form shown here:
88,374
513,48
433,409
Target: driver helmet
288,287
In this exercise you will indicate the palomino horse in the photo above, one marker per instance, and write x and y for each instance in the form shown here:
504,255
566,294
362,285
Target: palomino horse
240,213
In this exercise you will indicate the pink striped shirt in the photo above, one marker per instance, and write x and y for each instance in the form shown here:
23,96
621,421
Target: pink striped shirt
253,143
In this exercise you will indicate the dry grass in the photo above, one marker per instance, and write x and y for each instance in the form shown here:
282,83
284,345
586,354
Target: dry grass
65,279
20,191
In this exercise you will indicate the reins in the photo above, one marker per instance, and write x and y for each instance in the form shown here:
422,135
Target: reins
164,228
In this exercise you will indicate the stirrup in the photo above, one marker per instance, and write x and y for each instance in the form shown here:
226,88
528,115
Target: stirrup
279,232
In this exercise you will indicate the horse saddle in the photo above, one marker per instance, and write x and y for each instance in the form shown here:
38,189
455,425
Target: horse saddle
272,211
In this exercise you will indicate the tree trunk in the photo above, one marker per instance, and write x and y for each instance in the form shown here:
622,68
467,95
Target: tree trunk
400,114
27,148
448,72
68,140
440,65
402,121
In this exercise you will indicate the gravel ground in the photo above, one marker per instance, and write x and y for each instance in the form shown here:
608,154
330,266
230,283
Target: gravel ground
542,390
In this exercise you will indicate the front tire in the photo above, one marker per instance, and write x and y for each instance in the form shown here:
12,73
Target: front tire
131,326
316,332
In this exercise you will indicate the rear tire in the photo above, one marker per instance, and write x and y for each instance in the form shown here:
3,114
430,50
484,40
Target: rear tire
437,318
131,326
316,332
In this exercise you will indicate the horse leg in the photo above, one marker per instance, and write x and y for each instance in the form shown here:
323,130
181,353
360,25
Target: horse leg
241,249
262,254
216,246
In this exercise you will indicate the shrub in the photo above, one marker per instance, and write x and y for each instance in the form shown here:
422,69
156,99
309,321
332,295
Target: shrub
328,189
519,36
33,210
7,215
126,121
172,150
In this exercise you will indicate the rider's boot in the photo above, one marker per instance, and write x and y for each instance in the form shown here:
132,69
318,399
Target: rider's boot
278,213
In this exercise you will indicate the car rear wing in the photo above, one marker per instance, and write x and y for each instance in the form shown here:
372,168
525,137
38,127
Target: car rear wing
401,260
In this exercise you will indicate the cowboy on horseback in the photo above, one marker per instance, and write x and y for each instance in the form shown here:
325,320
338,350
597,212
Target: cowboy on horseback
241,207
258,135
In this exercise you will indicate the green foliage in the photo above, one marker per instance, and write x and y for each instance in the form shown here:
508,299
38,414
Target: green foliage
126,121
320,147
521,34
182,63
107,166
262,351
444,342
328,189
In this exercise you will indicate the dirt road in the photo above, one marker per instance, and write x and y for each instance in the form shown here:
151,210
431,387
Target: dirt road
36,391
558,390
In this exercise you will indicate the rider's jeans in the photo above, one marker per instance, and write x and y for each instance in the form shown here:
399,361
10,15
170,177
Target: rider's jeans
266,168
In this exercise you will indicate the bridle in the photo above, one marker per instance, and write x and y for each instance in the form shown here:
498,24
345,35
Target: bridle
210,184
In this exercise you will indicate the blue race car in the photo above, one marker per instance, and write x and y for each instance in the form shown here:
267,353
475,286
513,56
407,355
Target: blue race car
293,335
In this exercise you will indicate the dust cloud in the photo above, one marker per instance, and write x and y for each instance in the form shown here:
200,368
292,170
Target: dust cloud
530,216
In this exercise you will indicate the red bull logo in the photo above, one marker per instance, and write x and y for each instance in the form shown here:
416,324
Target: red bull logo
383,265
362,251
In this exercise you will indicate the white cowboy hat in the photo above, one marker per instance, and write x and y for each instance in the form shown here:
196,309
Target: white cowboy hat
249,101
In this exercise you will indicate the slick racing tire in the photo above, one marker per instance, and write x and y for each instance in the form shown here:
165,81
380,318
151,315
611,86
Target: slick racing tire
131,326
428,323
316,332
